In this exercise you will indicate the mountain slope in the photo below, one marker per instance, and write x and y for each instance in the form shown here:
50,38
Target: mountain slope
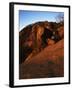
48,63
37,36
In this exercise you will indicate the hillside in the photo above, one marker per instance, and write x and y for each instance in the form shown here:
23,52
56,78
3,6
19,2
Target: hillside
27,39
48,63
41,50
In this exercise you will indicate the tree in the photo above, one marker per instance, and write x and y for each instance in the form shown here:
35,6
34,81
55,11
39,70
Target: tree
60,18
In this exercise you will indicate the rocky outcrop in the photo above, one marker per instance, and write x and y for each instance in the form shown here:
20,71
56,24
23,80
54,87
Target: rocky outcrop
48,63
35,37
61,31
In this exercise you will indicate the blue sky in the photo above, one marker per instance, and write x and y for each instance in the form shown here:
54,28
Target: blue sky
29,17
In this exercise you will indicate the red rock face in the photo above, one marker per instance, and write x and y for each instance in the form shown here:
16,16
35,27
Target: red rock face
37,40
48,63
61,32
34,38
50,42
41,51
